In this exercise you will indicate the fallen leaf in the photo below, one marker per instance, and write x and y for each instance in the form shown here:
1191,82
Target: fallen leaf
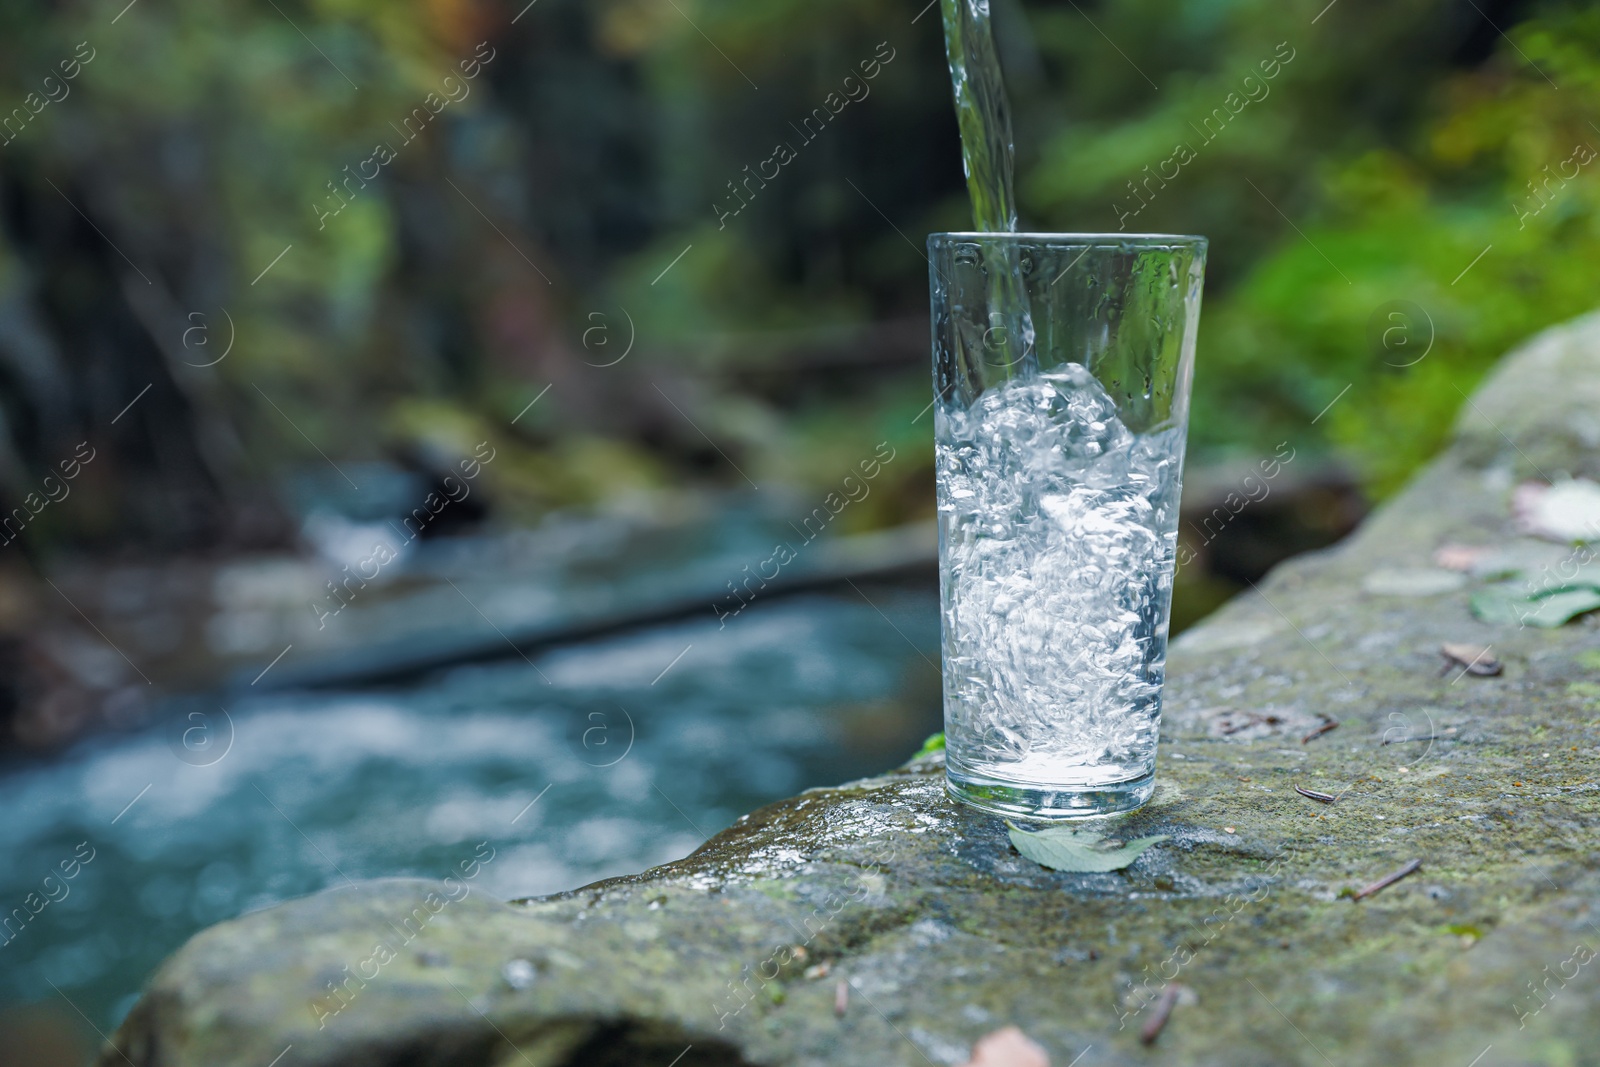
1007,1047
1566,511
1509,604
1062,848
1477,659
1412,581
1563,606
1459,557
1524,556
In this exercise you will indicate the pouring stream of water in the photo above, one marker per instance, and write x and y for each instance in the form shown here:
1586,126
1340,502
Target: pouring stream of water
986,155
981,112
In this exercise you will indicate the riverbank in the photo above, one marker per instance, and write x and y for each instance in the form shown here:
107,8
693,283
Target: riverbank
877,922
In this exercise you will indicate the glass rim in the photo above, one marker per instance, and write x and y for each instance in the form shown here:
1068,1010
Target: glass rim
1073,238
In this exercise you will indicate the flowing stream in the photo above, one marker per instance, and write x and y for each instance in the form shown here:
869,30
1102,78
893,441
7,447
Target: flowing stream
592,760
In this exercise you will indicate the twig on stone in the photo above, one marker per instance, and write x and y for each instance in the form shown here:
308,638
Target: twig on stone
1326,798
1327,724
1158,1016
1388,880
1251,719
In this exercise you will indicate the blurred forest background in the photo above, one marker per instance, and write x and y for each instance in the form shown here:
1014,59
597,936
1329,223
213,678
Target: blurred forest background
196,220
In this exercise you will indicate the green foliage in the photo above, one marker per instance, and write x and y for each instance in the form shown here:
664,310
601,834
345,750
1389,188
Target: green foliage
1349,200
1339,185
1444,222
1346,198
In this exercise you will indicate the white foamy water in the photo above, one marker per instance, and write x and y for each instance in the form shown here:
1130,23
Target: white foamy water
1058,528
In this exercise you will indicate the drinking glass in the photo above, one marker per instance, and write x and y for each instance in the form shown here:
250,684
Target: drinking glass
1061,370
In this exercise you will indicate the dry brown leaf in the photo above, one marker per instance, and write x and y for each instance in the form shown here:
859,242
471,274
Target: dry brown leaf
1477,659
1007,1047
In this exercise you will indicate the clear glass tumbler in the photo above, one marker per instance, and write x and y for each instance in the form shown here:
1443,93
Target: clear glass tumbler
1061,388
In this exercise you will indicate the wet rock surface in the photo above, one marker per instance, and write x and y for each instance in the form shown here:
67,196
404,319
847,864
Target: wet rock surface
878,923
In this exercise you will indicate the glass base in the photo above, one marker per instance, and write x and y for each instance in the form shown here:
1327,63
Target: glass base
1049,803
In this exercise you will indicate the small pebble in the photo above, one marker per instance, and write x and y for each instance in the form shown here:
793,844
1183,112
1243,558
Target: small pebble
1229,829
519,974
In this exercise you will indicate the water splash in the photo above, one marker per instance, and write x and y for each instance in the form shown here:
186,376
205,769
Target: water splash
1059,530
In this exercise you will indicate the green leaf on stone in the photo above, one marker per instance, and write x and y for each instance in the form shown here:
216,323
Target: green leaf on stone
934,743
1509,604
1505,603
1062,848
